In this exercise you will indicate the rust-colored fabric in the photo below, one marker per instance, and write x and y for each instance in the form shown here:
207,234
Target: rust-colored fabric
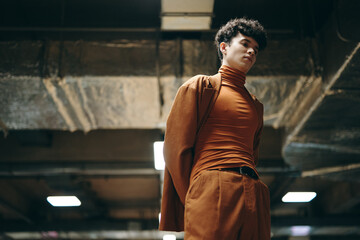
227,137
192,104
227,205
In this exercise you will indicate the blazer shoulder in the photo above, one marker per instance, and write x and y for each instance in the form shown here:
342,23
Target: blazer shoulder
195,81
203,81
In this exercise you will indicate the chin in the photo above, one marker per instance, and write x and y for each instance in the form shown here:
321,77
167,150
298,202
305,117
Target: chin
243,69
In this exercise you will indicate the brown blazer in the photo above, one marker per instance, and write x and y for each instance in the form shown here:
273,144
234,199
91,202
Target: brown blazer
192,105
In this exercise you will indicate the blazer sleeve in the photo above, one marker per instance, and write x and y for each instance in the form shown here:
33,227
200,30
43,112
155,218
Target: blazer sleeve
181,127
258,133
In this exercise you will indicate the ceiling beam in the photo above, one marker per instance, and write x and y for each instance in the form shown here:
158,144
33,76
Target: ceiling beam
3,236
83,225
330,170
134,204
315,221
308,116
344,197
46,169
15,212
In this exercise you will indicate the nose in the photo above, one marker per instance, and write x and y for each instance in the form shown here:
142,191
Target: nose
251,51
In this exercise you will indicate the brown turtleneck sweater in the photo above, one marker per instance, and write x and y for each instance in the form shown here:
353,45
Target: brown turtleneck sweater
226,139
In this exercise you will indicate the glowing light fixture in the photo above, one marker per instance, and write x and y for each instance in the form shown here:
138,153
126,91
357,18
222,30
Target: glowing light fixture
300,230
298,197
169,237
158,155
64,201
186,14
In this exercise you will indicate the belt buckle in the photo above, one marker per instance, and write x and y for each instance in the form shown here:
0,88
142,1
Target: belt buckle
251,174
241,171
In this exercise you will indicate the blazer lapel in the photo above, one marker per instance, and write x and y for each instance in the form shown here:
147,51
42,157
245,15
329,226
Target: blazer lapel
208,98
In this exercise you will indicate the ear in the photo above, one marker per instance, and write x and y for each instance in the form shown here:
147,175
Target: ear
223,46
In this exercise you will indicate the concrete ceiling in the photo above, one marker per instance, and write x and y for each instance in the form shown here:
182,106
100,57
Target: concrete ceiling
86,86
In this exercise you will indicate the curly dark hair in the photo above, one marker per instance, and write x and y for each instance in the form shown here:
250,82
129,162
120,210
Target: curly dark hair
249,27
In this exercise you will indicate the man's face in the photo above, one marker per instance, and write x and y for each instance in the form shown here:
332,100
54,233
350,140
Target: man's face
240,53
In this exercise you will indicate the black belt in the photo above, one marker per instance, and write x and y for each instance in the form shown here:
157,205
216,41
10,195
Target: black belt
242,170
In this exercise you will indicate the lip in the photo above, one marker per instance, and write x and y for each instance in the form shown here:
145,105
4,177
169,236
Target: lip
249,58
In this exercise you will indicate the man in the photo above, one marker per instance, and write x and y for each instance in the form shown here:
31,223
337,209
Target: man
211,187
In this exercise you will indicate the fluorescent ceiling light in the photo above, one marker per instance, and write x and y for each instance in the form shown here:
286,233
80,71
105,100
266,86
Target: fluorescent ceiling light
188,15
185,23
158,155
64,201
198,6
299,196
300,230
169,237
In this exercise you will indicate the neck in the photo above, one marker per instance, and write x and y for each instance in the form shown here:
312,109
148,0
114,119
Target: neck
233,75
236,67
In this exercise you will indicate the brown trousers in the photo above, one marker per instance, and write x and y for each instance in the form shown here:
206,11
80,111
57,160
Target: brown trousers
223,205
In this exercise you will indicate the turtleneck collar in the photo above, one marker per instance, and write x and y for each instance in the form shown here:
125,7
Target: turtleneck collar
232,75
